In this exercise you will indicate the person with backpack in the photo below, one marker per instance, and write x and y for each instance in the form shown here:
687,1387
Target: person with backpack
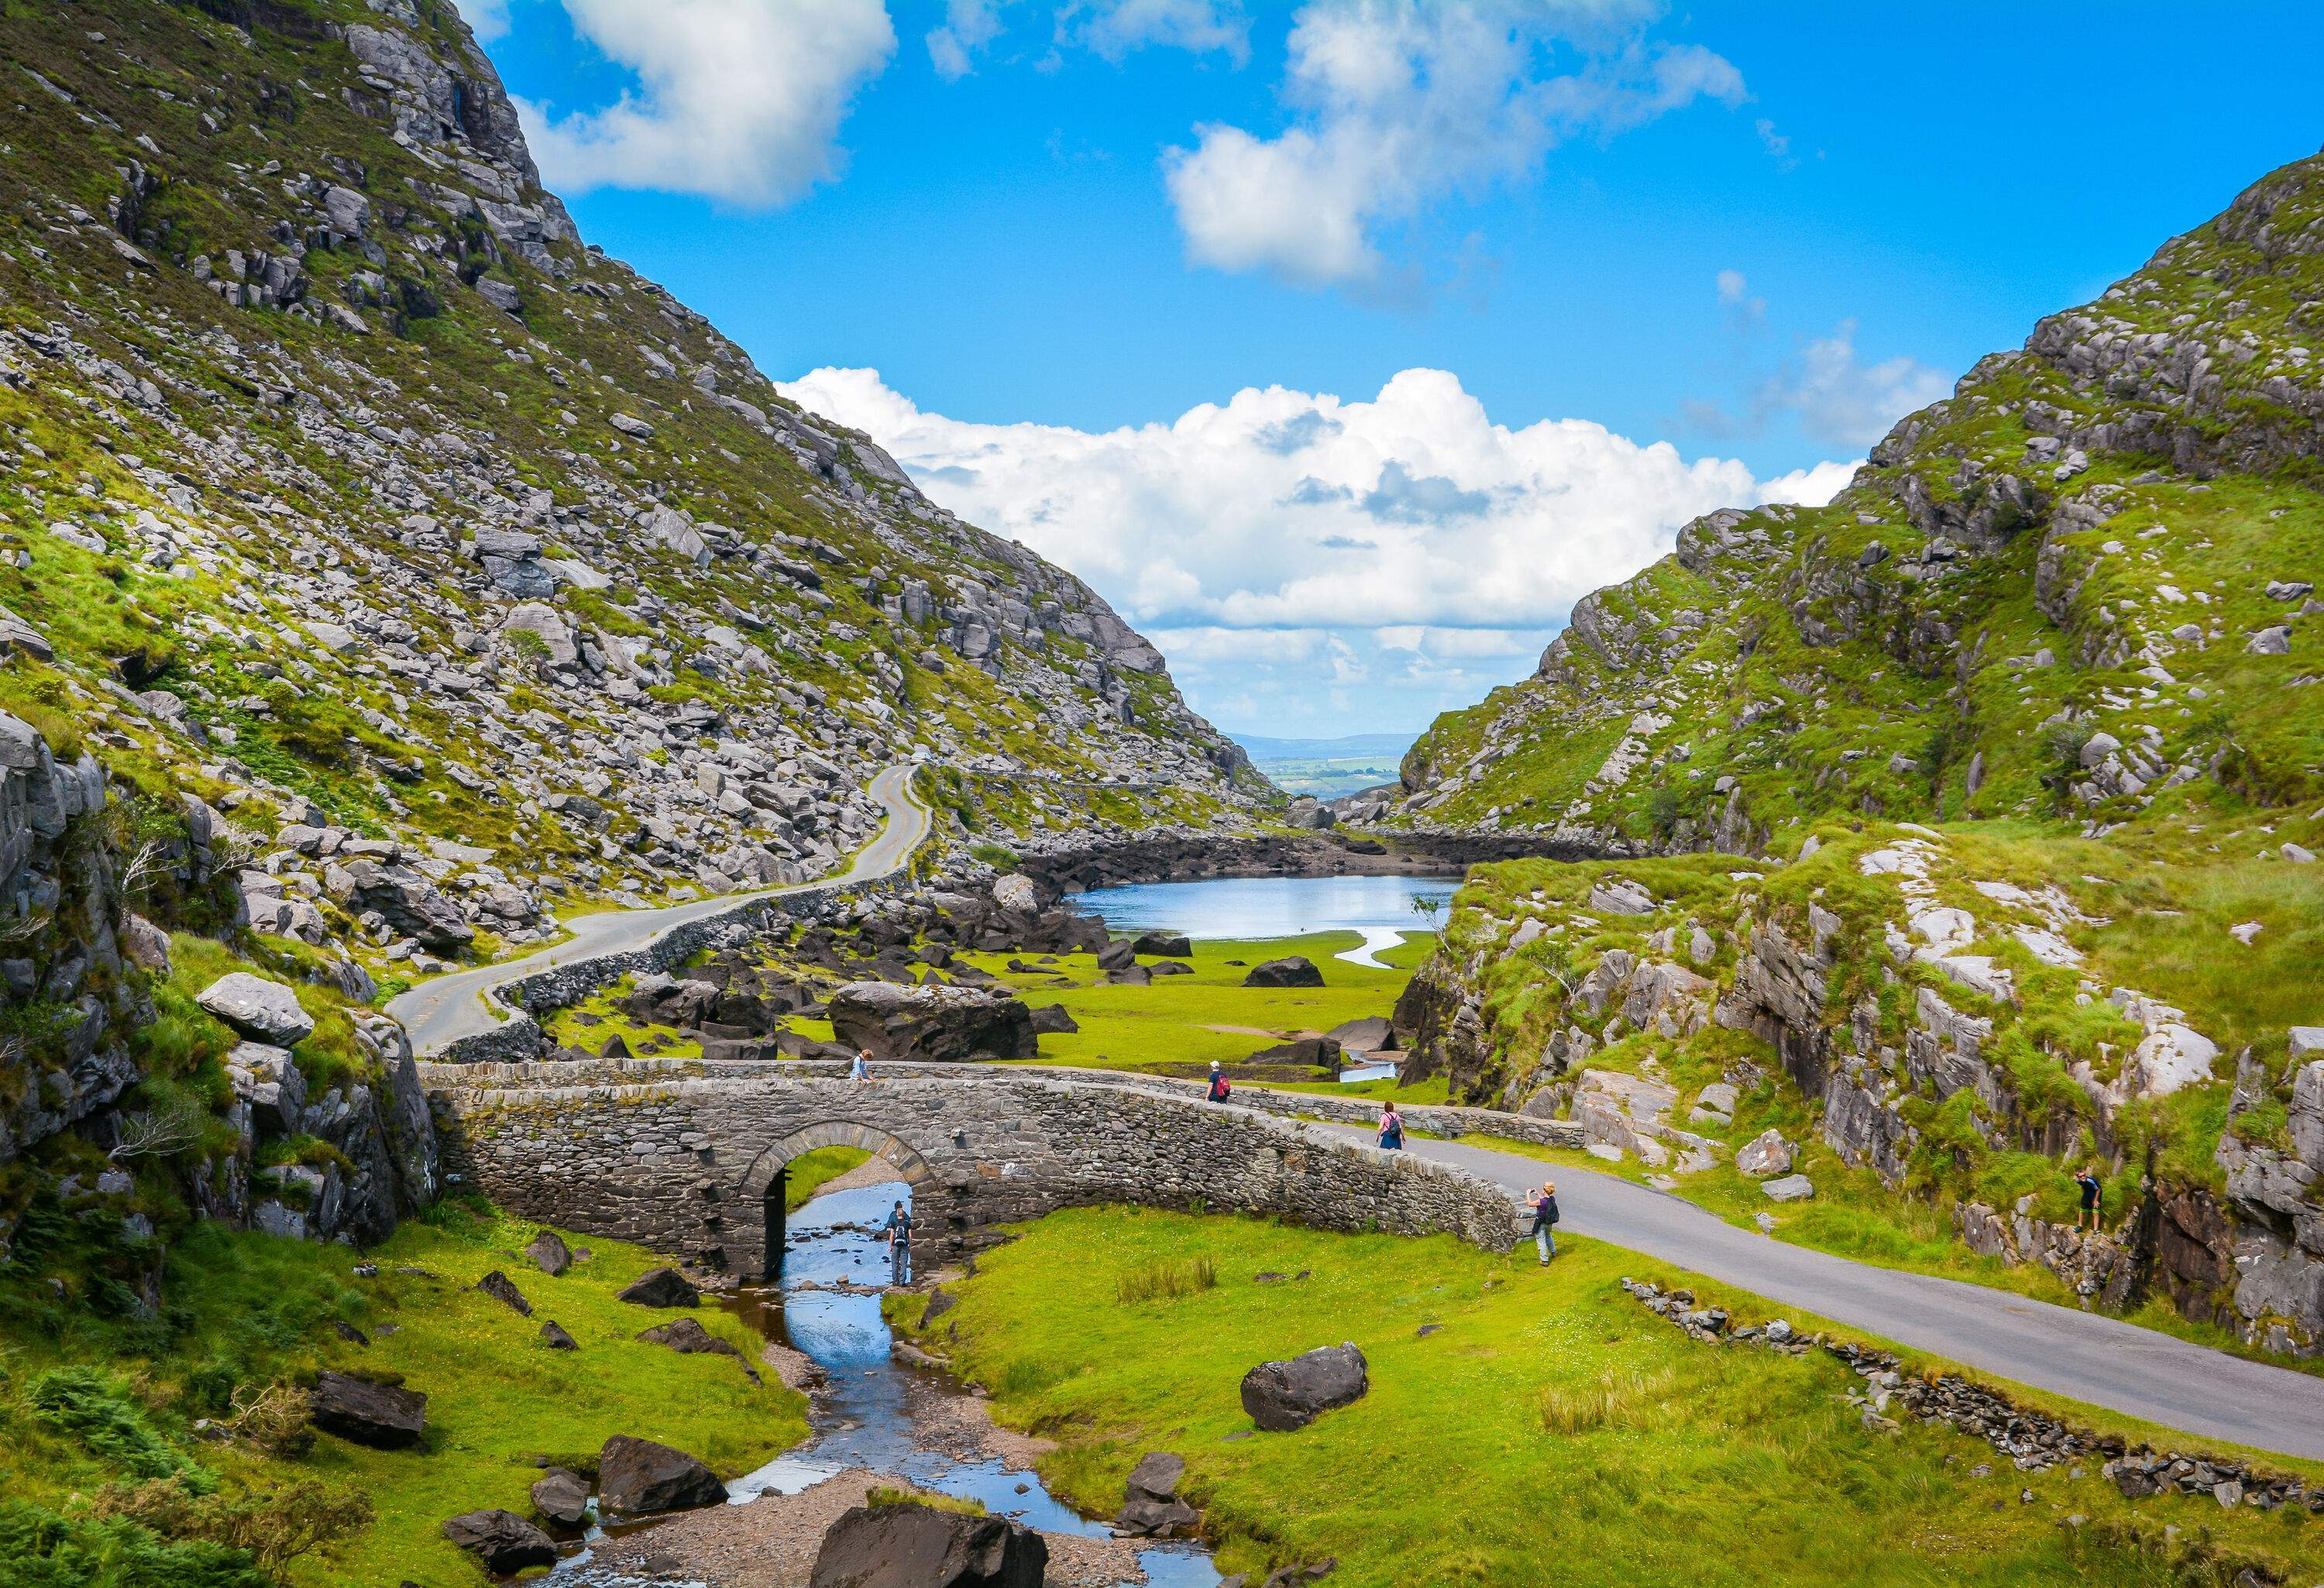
1544,1216
1220,1086
1391,1129
899,1231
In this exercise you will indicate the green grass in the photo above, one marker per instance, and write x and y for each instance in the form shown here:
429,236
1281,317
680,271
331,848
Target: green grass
807,1174
1551,1431
246,1310
1174,1025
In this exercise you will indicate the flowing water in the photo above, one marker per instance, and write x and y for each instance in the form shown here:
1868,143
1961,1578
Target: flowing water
870,1415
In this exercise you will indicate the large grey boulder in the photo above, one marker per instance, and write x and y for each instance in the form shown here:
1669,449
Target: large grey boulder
1170,945
1292,970
378,1414
403,897
1621,896
502,1540
270,1081
1150,1506
660,1288
562,1499
932,1023
1765,1154
638,1477
1281,1396
919,1547
1790,1189
550,1254
266,1011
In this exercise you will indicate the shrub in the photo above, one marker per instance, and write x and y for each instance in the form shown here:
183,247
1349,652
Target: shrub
98,1411
41,1549
274,1526
1166,1279
999,856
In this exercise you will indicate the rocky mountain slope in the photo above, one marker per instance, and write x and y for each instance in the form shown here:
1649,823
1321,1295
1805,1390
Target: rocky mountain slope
384,571
350,491
2070,616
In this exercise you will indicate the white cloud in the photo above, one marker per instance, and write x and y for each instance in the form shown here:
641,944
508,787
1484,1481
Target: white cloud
736,100
1251,538
1843,402
1114,28
969,25
487,19
1403,102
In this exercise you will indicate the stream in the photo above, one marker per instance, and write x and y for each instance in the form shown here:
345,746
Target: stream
874,1411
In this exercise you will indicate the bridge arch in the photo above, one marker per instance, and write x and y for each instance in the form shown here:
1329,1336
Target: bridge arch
766,1181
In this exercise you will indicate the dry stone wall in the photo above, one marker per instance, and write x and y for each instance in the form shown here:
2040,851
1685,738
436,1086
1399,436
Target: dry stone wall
679,1158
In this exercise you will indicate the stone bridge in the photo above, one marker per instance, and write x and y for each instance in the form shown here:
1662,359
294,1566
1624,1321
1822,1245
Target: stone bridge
689,1157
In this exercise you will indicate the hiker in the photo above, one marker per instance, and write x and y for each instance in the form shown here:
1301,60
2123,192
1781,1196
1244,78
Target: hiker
1545,1214
859,1068
2088,1182
899,1231
1391,1129
1220,1084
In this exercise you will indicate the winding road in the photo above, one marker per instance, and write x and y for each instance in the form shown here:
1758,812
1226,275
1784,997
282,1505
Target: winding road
451,1007
2089,1356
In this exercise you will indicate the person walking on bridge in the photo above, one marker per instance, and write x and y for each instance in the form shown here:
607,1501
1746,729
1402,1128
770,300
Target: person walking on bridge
859,1068
899,1231
1391,1129
1220,1084
1545,1216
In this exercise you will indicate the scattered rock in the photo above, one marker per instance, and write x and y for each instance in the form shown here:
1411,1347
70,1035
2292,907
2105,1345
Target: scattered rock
1765,1154
550,1254
688,1336
638,1477
932,1023
1292,970
553,1334
1790,1189
1050,1020
1150,1506
1282,1396
920,1547
504,1541
1166,945
381,1415
266,1011
562,1499
500,1287
661,1288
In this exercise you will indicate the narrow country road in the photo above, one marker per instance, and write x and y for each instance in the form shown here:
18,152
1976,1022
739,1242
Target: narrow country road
450,1007
2091,1357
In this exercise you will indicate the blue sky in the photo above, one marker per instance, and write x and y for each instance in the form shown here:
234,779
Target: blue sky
1733,241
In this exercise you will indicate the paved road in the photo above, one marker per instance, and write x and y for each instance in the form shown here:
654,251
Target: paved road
2086,1355
450,1007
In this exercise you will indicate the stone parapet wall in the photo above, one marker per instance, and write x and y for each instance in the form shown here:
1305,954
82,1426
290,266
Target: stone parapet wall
679,1162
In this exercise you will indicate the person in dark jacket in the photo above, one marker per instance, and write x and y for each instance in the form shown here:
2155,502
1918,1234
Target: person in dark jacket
2087,1182
1544,1216
899,1231
1219,1085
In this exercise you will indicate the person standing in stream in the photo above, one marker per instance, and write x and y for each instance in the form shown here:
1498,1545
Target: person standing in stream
899,1231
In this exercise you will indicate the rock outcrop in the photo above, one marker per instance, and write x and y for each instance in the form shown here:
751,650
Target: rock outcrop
1284,1396
932,1023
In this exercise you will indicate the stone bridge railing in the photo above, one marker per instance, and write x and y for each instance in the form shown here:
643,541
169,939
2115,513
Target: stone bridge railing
682,1157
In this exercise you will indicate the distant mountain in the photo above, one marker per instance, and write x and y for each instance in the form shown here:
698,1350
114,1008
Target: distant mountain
1391,746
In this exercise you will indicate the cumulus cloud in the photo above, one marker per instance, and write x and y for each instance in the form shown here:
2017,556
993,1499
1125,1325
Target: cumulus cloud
738,100
1253,537
1842,402
487,19
1114,28
969,25
1400,103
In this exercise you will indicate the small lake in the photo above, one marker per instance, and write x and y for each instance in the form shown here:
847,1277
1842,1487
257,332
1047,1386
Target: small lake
1242,908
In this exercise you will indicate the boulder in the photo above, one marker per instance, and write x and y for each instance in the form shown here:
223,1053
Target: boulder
1150,1506
263,1010
503,1290
1321,1052
660,1288
1051,1019
1621,896
1130,975
1016,891
1166,945
638,1477
1117,955
550,1254
1281,1396
1295,970
271,1082
1371,1034
563,1499
920,1547
1790,1189
1765,1154
404,898
378,1414
553,1336
932,1023
688,1337
504,1541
